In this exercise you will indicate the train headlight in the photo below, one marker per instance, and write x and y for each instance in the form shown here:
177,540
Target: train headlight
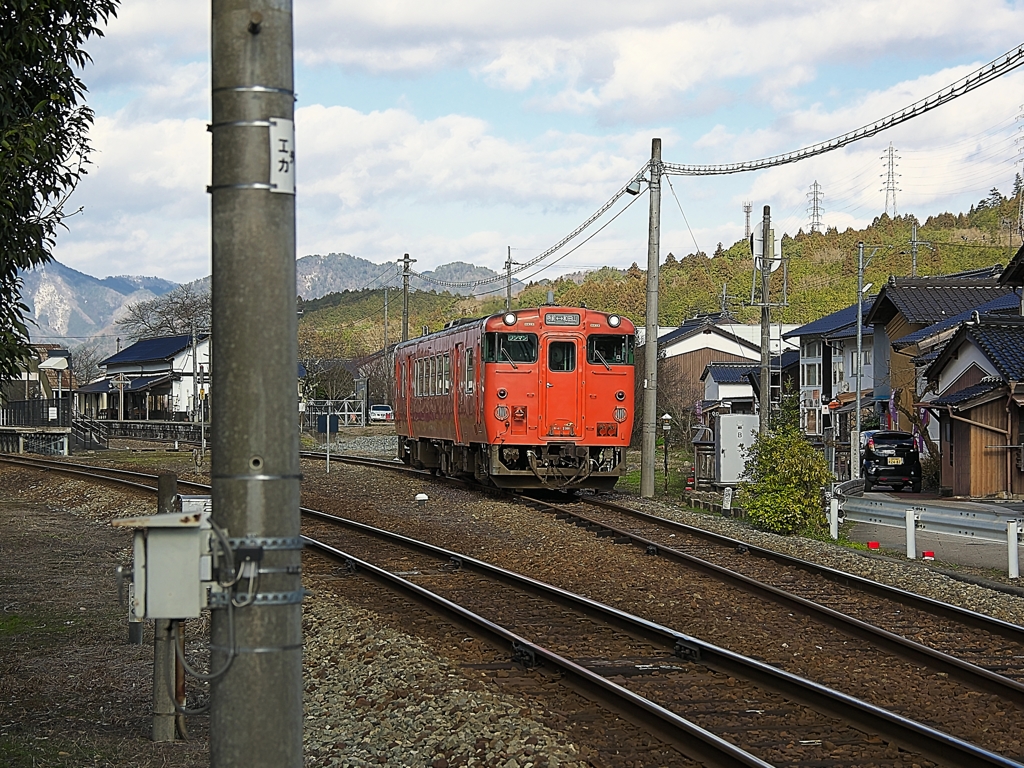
620,395
510,318
502,393
614,320
501,412
619,415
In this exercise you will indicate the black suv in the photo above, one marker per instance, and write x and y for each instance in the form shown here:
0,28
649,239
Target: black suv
890,458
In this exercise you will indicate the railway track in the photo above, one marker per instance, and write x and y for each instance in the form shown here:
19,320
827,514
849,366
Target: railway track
613,666
780,718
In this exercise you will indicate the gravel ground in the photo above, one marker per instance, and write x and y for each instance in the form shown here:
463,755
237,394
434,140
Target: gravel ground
375,694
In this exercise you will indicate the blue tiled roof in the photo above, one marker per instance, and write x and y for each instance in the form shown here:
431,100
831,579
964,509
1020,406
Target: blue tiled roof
151,350
832,323
967,393
1003,303
730,374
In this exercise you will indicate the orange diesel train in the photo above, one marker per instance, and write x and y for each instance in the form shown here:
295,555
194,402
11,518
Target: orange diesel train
533,398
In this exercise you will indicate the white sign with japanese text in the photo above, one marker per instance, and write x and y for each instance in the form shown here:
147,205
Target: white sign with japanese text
282,155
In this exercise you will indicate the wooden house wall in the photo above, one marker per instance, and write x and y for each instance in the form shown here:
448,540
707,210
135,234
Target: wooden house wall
902,374
683,372
988,465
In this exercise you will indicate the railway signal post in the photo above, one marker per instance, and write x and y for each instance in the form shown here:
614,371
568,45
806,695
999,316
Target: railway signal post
256,654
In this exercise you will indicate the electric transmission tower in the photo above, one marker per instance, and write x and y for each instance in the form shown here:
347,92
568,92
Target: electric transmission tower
747,208
815,197
891,188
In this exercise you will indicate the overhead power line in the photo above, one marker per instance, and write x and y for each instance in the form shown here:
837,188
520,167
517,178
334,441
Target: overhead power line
976,79
627,188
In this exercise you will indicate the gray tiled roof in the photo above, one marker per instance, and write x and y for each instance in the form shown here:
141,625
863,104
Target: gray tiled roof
1006,302
1002,341
967,393
927,301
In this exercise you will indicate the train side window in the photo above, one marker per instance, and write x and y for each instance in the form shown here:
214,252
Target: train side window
431,364
561,356
470,371
438,375
446,379
605,349
417,382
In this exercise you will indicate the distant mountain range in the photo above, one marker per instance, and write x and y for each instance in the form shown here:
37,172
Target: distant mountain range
70,307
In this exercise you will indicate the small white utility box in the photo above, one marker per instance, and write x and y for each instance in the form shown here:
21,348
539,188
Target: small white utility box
172,560
733,439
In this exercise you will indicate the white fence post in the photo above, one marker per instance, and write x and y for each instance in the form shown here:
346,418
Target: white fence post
833,517
1011,547
911,534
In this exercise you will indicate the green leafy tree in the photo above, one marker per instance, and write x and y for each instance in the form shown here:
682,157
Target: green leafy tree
782,482
43,141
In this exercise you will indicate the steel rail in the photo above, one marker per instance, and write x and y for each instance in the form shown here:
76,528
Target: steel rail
932,743
689,738
94,472
917,653
963,615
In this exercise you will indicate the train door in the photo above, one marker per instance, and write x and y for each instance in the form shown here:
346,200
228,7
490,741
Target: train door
562,389
458,390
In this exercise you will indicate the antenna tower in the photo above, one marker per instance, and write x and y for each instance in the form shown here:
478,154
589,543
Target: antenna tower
747,208
890,157
814,209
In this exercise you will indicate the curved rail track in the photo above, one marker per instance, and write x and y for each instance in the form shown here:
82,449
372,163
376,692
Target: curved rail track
796,722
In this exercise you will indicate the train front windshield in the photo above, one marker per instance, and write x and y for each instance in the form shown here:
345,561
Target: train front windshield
510,348
607,349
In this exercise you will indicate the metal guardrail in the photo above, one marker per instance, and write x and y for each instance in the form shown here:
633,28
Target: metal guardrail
967,520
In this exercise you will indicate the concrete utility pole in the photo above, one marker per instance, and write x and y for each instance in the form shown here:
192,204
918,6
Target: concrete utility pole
256,704
406,261
508,283
767,256
650,423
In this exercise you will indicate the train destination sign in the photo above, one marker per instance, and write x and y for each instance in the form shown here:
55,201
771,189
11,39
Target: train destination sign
562,318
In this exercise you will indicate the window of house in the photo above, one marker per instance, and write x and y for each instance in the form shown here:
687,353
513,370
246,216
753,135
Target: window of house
810,374
811,348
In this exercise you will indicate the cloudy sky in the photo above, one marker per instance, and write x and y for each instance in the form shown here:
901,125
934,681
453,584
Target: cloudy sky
453,130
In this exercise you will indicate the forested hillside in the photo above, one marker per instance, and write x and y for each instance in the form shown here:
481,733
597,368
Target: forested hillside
821,277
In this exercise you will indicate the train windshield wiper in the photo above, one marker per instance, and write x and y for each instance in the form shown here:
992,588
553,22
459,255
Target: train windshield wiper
507,355
599,356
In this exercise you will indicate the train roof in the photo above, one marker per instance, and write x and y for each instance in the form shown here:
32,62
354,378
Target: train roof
627,324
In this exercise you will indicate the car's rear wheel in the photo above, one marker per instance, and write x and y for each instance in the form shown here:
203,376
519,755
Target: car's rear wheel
916,487
868,485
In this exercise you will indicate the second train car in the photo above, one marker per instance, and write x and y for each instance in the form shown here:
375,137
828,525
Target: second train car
531,398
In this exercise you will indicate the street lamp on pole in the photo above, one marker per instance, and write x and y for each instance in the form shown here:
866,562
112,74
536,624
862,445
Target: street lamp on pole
861,288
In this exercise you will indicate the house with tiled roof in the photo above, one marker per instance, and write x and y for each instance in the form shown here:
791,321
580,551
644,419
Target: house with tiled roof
906,305
685,352
163,378
978,380
828,367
